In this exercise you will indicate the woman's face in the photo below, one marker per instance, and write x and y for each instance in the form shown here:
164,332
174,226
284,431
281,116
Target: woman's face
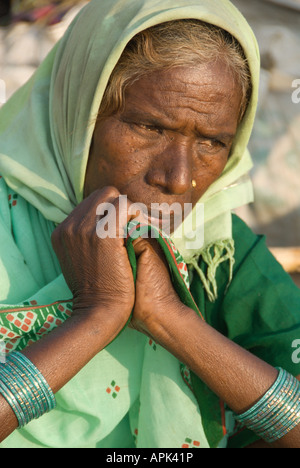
177,126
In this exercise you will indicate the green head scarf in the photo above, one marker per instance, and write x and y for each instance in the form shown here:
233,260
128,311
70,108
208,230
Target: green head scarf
47,126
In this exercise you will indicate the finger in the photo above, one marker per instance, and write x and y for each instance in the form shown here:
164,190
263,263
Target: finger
140,246
149,248
97,198
82,217
115,216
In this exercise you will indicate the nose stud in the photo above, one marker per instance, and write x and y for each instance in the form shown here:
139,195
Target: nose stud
194,183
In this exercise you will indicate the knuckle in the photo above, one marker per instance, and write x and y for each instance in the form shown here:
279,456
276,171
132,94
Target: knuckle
107,193
66,233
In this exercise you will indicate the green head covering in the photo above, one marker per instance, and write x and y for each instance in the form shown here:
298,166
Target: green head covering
47,126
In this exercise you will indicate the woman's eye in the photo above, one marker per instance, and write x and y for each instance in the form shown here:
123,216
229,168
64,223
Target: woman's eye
149,128
210,145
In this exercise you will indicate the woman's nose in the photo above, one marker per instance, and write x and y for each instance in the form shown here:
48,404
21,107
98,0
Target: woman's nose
173,169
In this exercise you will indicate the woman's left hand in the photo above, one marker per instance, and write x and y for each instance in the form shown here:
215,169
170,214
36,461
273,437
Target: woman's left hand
156,301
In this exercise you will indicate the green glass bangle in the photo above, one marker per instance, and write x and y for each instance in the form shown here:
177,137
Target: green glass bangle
10,378
279,405
265,419
254,410
40,404
38,378
34,409
25,388
13,403
277,412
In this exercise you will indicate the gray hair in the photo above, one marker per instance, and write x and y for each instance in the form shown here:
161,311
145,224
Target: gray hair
173,44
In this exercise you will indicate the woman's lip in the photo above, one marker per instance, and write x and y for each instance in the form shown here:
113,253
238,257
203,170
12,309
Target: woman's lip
156,221
163,222
164,219
159,215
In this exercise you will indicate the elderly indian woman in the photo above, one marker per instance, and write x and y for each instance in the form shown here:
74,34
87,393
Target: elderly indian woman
125,339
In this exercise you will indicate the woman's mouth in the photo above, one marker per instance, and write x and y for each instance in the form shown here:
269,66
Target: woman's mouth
163,216
165,219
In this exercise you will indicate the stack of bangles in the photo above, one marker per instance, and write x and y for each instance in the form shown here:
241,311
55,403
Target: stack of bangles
25,389
27,392
277,412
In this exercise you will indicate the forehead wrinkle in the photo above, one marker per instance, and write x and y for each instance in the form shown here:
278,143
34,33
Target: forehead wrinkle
189,96
166,115
193,94
208,76
157,90
200,97
208,108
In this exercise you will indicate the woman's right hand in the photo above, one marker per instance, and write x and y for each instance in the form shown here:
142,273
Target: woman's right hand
99,275
97,270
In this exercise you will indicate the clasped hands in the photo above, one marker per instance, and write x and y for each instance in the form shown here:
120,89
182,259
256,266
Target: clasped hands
99,275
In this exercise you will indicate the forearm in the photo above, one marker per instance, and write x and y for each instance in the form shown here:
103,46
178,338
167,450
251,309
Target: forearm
66,350
238,377
61,354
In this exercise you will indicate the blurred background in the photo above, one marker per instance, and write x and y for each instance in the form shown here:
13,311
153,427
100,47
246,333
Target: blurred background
30,28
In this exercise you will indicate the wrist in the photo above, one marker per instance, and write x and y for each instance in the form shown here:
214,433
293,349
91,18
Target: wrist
94,305
105,320
170,323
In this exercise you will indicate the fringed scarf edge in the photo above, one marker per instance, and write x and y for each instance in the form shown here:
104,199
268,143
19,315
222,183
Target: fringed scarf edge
213,255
